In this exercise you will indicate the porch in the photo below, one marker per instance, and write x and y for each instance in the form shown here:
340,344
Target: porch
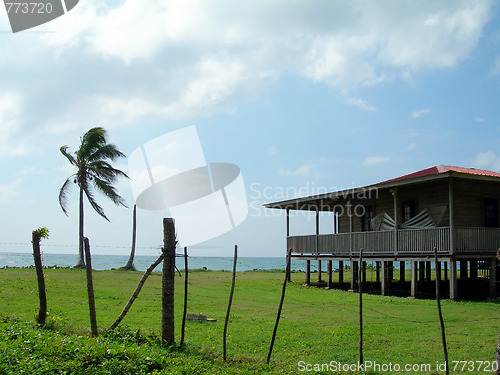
470,246
408,243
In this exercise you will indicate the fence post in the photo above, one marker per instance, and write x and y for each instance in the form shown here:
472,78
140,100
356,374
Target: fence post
168,279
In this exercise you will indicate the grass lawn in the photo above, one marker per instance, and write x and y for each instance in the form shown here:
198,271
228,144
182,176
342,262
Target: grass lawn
317,326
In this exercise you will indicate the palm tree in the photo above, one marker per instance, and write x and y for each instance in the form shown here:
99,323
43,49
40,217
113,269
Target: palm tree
130,263
92,170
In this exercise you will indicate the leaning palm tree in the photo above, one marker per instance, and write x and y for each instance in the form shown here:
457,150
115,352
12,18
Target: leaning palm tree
92,170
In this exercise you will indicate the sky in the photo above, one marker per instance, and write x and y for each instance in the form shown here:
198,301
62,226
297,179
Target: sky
304,96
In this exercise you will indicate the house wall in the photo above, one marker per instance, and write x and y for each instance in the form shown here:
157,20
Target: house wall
469,197
433,195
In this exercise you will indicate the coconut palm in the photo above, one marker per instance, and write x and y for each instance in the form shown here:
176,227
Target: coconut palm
92,171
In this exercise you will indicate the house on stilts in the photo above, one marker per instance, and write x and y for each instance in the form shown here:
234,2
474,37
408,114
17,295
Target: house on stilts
398,223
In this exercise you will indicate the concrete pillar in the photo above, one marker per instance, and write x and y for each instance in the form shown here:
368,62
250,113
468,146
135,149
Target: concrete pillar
341,272
308,272
414,279
453,279
402,271
493,278
354,274
473,269
463,269
319,270
384,287
329,274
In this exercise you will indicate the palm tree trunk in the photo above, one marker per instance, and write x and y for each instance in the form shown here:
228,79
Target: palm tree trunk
81,261
90,290
42,311
130,263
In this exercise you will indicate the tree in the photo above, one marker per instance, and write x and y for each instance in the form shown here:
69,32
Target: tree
130,263
37,235
92,170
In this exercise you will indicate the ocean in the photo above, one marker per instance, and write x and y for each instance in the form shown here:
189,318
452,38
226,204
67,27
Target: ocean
141,262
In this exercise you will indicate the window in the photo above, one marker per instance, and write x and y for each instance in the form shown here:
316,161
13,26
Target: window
408,210
366,219
490,212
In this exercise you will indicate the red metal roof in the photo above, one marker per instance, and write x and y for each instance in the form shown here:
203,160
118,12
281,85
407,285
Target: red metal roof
440,169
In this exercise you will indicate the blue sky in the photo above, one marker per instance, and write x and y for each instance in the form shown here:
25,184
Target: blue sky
303,96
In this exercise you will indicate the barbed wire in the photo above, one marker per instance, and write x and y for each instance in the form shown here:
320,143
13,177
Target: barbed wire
73,245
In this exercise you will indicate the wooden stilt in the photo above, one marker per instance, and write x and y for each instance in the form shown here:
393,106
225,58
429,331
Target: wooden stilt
421,276
414,279
341,272
493,278
308,272
473,269
329,274
354,274
463,269
319,270
384,284
453,279
428,270
402,271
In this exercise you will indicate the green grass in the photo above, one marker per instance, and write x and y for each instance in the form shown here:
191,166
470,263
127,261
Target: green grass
317,325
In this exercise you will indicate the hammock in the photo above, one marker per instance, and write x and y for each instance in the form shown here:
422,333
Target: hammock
421,221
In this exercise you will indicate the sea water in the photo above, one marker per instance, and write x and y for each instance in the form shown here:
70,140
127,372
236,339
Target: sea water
142,262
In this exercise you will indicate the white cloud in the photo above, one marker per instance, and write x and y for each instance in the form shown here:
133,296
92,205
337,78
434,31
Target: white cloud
361,104
303,171
10,127
273,150
173,59
420,113
496,68
411,146
372,160
486,160
479,119
8,192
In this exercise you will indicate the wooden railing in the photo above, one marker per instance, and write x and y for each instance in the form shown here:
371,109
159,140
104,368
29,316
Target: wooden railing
482,239
409,241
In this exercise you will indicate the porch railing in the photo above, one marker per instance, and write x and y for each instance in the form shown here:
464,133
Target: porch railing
409,241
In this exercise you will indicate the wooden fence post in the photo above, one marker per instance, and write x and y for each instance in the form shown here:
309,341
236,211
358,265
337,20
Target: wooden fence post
42,311
168,279
275,330
360,291
183,327
230,301
438,301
